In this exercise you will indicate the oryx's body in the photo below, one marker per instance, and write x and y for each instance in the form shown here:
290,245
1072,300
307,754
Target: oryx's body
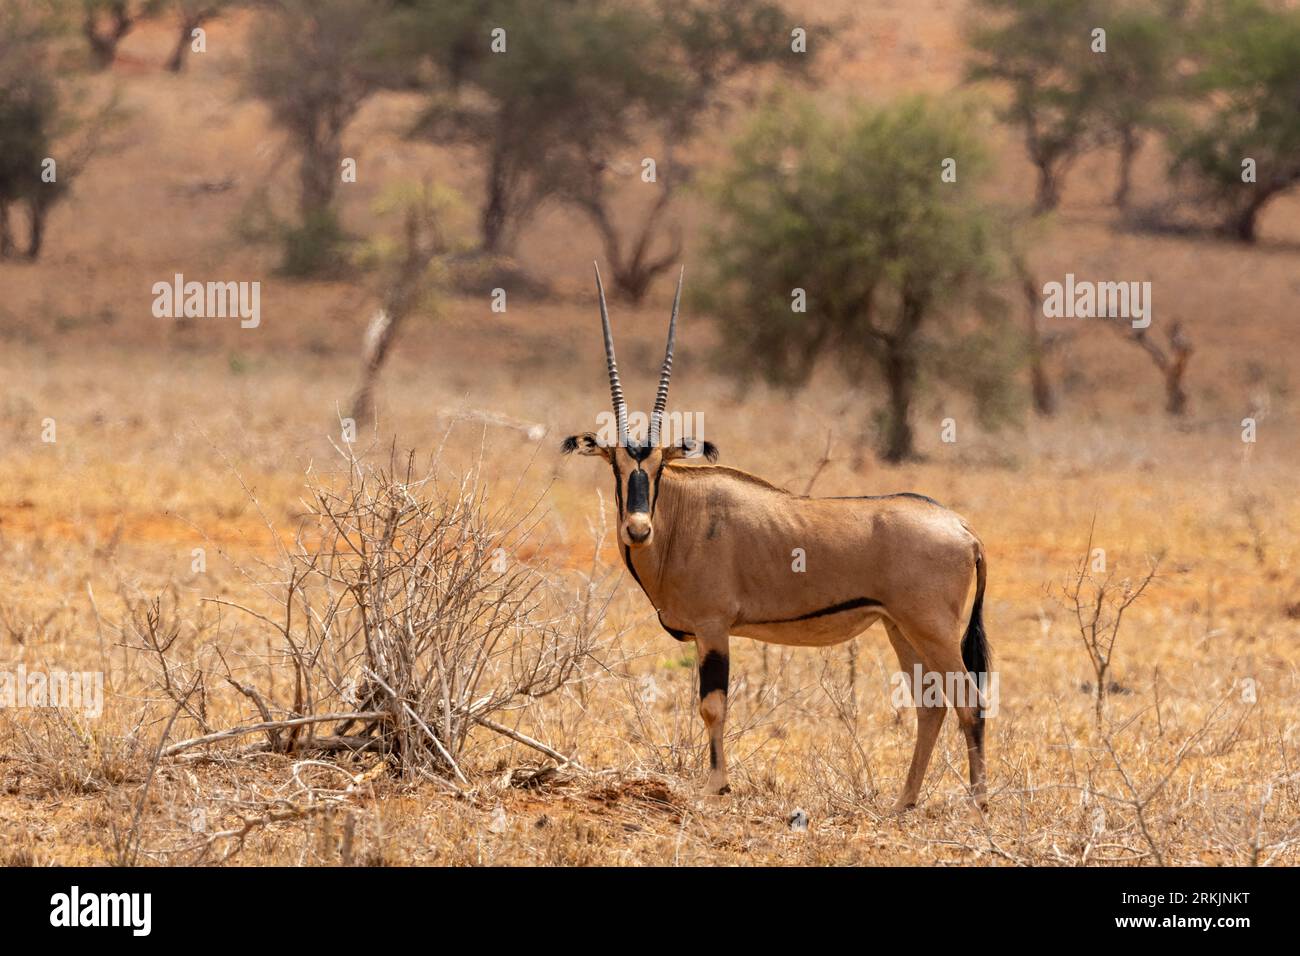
720,552
726,546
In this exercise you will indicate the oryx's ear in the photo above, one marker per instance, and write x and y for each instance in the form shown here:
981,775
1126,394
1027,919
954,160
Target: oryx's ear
690,448
585,444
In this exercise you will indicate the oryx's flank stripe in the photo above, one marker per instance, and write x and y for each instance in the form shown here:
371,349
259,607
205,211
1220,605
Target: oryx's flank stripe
833,609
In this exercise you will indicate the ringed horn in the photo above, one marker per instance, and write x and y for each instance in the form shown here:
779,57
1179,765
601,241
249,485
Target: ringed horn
615,386
665,374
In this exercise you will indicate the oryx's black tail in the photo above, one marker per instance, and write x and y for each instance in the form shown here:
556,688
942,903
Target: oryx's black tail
975,653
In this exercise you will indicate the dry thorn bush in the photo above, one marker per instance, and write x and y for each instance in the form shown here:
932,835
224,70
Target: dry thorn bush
408,617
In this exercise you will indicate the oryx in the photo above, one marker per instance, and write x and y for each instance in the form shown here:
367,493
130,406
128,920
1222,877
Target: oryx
712,549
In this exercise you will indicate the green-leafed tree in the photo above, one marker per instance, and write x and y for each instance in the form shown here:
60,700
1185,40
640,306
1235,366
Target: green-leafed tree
28,107
47,132
1243,150
1136,79
314,63
525,83
1043,50
849,217
550,94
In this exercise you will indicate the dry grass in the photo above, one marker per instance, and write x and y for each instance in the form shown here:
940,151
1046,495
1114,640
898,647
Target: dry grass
171,439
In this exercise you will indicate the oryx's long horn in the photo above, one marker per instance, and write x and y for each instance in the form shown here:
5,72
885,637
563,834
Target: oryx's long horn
661,397
615,386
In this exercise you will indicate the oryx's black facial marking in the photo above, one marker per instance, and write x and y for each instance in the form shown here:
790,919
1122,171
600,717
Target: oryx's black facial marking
714,669
822,612
638,492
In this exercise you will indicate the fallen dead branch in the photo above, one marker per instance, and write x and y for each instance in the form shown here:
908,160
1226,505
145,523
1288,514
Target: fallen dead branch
233,732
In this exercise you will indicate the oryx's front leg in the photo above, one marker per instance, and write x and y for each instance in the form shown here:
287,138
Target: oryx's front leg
712,652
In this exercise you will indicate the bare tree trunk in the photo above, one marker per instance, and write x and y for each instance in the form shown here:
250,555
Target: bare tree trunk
6,237
1181,352
379,339
423,245
1044,393
318,176
1045,401
36,213
1129,143
104,42
1172,364
495,214
900,378
1243,223
1048,196
176,62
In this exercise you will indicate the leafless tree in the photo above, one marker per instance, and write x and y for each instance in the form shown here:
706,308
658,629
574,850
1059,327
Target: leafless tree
1098,606
423,242
632,260
1171,360
1042,343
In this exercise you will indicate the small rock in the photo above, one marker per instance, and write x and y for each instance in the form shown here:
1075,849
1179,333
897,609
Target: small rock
799,819
498,822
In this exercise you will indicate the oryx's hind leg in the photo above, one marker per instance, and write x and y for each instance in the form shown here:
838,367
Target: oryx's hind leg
712,652
938,642
929,720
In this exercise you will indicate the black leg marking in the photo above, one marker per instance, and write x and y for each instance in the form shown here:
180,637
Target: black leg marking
713,755
714,670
